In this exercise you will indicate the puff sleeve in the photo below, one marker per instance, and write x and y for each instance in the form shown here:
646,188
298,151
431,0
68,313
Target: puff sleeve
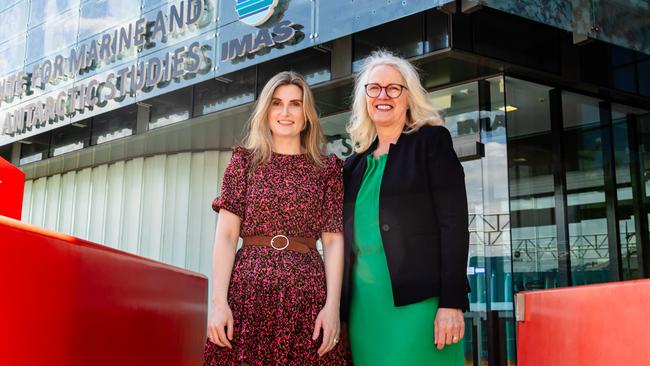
234,184
332,213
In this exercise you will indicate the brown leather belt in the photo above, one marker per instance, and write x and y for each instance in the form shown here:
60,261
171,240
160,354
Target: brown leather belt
281,242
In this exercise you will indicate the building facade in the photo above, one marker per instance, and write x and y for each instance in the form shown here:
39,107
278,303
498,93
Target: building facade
122,114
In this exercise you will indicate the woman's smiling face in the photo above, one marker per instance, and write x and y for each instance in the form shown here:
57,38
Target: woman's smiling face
383,110
286,116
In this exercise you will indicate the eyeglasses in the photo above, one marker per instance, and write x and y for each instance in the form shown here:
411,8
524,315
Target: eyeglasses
373,90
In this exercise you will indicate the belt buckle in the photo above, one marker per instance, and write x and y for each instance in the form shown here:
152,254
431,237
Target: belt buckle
280,248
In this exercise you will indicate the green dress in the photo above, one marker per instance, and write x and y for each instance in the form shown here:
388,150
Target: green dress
380,333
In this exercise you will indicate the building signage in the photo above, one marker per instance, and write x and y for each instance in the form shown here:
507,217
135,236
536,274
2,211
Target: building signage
255,13
56,91
144,75
44,112
253,42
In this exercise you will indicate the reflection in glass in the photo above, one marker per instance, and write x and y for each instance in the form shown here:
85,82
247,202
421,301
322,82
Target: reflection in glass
42,10
114,125
643,133
437,31
532,225
628,217
98,15
625,206
587,214
35,148
53,35
403,36
150,4
170,108
458,106
643,70
70,138
496,216
227,91
313,63
14,21
333,99
12,56
338,142
5,152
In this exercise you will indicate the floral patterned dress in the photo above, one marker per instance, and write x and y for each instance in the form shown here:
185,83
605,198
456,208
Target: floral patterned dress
275,296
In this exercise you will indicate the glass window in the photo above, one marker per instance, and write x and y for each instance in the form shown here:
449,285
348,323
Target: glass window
41,10
151,4
114,125
458,106
624,78
73,137
313,63
643,136
5,152
404,36
621,56
587,215
226,91
52,36
437,31
170,108
14,21
338,141
531,188
515,39
99,15
12,55
622,116
333,99
35,148
449,70
643,70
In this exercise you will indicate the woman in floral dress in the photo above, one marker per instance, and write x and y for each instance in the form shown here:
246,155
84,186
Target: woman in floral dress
276,300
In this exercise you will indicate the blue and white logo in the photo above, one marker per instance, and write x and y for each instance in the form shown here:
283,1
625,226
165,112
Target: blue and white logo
255,12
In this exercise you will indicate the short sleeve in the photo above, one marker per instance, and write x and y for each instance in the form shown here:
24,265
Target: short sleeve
234,184
333,199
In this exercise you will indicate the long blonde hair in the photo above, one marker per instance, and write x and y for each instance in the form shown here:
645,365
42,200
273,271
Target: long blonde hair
258,139
420,110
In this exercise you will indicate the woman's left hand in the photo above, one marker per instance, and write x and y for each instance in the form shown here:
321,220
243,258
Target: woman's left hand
449,327
328,320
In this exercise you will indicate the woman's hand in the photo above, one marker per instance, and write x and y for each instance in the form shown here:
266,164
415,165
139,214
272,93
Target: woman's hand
328,320
449,327
220,325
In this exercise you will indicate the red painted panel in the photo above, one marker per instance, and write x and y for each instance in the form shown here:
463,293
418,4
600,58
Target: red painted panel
12,185
604,324
66,301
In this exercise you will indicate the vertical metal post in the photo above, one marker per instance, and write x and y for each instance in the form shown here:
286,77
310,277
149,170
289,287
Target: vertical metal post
15,153
143,117
609,174
559,181
476,320
341,57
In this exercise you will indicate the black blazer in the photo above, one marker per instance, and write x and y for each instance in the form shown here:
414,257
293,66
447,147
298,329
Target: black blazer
422,218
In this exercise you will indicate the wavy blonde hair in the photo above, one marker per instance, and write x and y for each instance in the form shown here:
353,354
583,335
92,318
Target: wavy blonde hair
420,110
258,139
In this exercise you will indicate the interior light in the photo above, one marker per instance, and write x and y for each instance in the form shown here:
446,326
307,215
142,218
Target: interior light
508,108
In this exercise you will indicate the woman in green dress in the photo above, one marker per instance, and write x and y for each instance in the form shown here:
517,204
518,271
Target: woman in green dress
406,231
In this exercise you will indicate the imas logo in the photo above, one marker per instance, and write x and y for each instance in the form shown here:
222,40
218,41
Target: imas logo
255,12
